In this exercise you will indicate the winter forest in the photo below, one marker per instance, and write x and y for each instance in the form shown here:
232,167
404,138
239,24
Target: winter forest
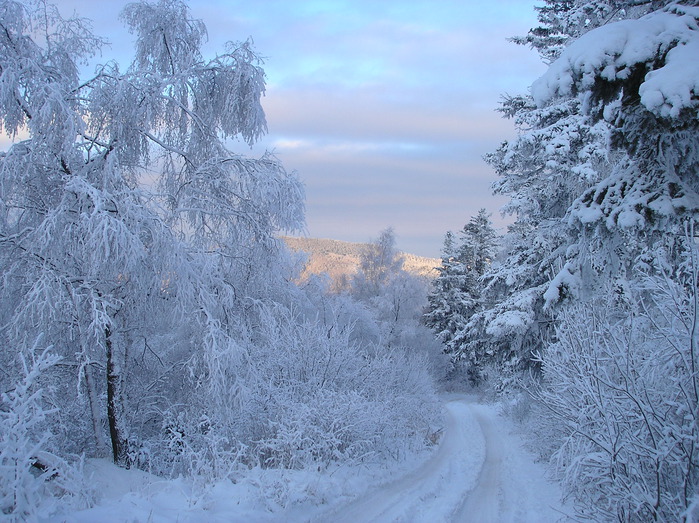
154,329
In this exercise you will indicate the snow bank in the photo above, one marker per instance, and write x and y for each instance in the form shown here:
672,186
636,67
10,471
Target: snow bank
478,457
258,495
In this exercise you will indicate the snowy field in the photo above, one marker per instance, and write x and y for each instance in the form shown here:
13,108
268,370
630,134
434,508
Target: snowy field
479,472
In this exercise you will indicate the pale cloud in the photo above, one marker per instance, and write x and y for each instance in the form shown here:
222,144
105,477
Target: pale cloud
355,196
363,114
291,144
323,147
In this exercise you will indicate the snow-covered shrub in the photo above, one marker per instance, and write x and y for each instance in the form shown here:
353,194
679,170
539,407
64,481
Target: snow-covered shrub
282,390
316,396
191,445
622,385
19,446
30,475
395,300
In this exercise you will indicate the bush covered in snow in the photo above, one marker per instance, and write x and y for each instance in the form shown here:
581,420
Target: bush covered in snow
621,384
294,392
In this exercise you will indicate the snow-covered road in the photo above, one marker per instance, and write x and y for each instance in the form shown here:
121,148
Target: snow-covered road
479,473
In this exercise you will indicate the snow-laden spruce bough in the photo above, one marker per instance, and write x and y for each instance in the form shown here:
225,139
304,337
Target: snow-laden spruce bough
148,312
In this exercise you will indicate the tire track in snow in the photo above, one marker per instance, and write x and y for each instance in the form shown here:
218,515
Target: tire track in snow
484,501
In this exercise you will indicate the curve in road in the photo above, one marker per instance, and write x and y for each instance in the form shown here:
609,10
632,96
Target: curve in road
479,473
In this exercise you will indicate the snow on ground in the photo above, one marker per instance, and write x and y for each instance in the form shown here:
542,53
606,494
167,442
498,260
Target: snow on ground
479,472
435,490
512,486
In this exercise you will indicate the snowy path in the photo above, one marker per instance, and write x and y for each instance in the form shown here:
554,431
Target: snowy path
479,473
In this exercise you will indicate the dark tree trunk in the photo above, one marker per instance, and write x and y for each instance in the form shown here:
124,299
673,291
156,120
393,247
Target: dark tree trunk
113,405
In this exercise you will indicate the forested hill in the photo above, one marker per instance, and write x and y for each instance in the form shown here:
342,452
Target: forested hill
339,259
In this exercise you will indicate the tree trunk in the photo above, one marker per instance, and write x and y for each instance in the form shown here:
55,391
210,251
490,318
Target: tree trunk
113,405
94,409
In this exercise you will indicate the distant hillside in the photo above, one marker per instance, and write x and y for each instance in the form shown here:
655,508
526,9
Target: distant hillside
341,259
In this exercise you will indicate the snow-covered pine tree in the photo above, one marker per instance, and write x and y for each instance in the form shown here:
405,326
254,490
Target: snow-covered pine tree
457,292
442,315
555,157
475,255
478,243
620,356
563,21
644,86
559,154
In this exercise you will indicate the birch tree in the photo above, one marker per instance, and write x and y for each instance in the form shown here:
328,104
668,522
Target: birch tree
119,193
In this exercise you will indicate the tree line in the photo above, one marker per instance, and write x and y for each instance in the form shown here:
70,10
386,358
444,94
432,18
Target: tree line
590,302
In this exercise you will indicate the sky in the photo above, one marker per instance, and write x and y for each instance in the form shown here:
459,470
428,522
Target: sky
384,108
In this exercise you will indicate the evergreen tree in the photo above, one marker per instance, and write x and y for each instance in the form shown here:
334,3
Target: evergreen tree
555,156
635,86
443,315
457,293
611,236
563,21
559,154
478,243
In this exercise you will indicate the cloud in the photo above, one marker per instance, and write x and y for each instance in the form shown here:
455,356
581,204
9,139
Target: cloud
369,162
339,147
353,196
366,115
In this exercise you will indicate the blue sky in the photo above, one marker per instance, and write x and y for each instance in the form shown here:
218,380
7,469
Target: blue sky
385,108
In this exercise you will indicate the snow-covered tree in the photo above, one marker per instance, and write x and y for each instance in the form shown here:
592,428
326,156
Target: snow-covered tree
563,21
146,253
396,300
640,76
603,181
555,157
31,475
457,293
378,262
606,151
377,284
122,191
443,313
478,243
560,153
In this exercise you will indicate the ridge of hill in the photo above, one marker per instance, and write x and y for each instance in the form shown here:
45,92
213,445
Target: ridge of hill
340,259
